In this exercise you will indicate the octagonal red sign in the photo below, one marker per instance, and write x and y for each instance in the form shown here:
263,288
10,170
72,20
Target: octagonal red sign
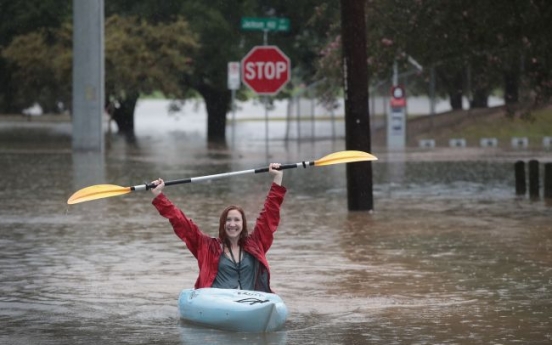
265,70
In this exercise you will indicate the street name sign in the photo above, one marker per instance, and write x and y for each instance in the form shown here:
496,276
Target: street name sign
265,24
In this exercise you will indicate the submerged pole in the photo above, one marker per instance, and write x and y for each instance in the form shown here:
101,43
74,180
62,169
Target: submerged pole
521,185
534,179
548,181
357,117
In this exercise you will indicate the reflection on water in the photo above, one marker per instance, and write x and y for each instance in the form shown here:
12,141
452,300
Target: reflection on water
88,169
450,255
192,334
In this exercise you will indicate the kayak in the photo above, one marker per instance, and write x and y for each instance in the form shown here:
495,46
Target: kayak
233,310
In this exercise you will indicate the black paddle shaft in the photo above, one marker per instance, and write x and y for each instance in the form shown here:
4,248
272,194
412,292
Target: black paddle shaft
285,166
149,186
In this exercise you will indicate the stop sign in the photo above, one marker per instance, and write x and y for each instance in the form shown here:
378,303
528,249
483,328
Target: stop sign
265,69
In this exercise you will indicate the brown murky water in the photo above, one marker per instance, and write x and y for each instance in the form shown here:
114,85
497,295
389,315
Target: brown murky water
450,255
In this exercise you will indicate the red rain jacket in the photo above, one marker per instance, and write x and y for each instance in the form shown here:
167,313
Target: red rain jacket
207,250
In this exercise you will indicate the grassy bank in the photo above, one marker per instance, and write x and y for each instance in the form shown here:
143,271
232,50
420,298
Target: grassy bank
540,125
498,126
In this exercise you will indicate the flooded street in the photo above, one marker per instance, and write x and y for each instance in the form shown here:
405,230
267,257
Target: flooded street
449,256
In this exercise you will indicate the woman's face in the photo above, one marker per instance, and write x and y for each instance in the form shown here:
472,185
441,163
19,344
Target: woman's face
234,224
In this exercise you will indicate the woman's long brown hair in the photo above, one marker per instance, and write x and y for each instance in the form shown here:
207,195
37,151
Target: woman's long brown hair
222,223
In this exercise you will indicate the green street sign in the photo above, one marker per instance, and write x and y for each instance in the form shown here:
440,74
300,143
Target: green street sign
265,24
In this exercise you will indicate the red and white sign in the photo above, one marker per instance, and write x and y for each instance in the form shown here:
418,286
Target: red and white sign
265,70
398,97
233,76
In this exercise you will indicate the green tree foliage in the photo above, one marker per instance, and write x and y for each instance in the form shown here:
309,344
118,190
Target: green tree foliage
19,18
310,26
41,62
142,58
217,28
217,24
475,46
139,58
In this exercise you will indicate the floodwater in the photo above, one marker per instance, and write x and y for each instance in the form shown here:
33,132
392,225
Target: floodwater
449,256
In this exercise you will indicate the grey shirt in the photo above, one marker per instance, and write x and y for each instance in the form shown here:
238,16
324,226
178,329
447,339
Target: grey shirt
227,275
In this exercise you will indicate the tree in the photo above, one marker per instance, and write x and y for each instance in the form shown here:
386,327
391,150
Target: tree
503,46
42,67
19,18
140,58
217,25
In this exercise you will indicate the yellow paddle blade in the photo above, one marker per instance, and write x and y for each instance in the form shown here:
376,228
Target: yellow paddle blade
349,156
98,191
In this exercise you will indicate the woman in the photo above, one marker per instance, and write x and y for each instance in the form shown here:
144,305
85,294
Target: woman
237,258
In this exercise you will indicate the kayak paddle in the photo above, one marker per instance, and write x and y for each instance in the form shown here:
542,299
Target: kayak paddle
101,191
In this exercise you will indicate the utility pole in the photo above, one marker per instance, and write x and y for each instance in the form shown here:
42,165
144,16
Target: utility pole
357,116
88,75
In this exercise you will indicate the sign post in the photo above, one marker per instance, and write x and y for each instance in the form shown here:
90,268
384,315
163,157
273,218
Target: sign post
266,70
396,122
234,82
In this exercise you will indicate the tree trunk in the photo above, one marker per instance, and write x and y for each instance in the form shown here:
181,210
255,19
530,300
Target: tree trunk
7,90
453,81
217,104
456,91
124,116
511,86
357,117
455,100
480,85
480,98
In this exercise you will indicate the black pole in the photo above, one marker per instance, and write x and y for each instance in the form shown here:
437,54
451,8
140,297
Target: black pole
357,117
521,185
548,181
534,179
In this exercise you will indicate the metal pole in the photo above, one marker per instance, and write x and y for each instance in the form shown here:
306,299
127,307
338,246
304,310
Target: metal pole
265,42
312,115
266,125
432,95
395,73
299,118
233,118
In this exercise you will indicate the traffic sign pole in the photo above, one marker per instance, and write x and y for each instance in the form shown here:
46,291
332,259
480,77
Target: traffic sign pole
265,70
266,24
396,123
234,84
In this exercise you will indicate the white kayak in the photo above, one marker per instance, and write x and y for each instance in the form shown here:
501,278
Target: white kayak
233,310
